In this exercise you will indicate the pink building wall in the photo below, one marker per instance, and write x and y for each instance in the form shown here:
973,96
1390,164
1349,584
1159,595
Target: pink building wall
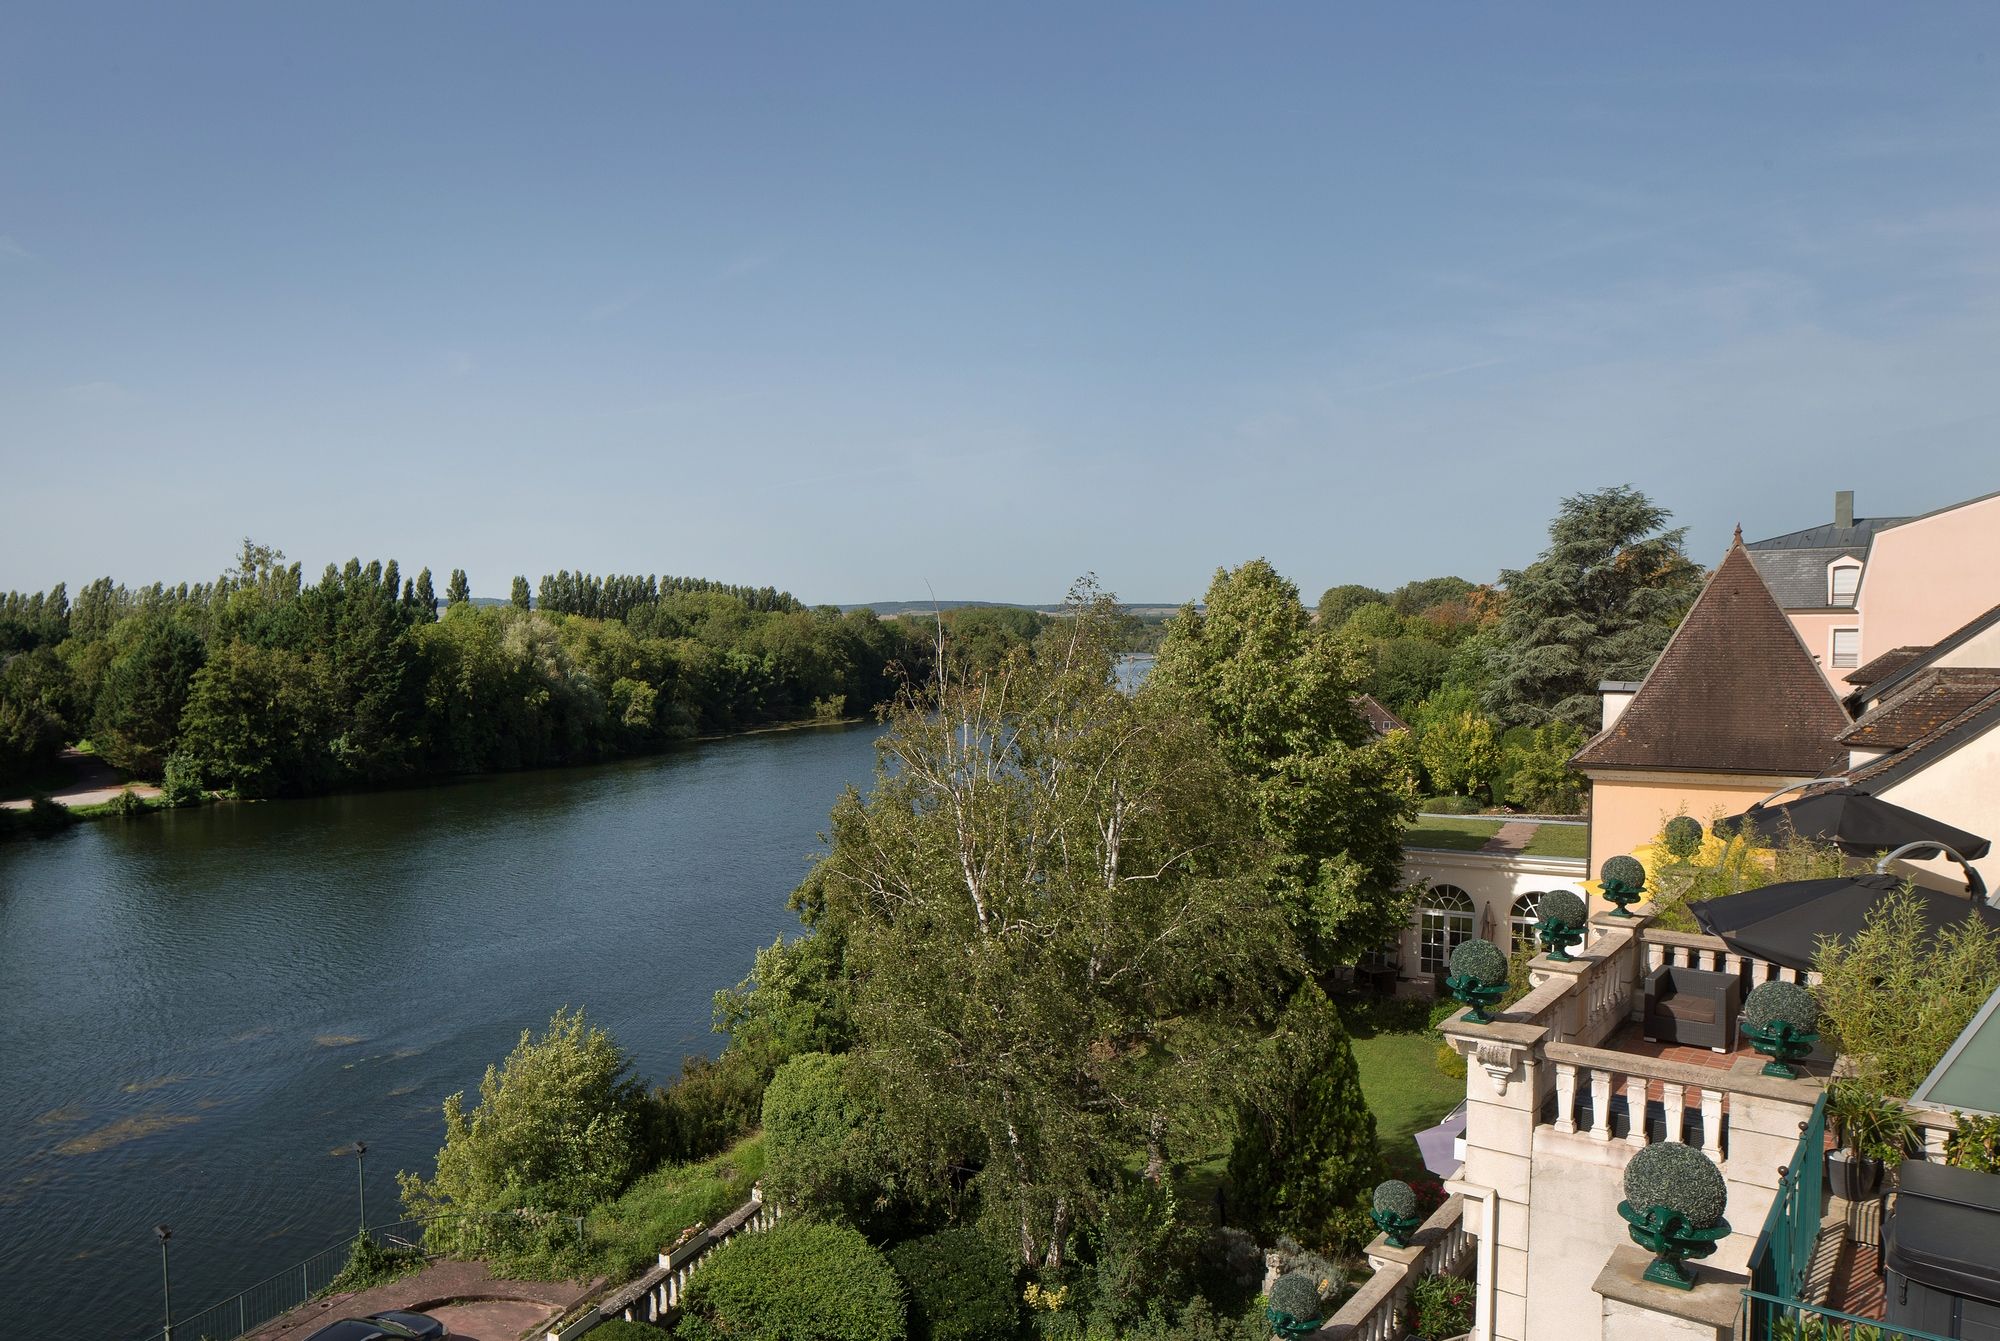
1928,577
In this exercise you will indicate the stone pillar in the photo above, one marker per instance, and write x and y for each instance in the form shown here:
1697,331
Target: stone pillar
1504,1085
1635,1309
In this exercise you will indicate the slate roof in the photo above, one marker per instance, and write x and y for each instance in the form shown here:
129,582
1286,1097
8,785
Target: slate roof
1974,721
1379,718
1794,565
1882,667
1936,697
1735,691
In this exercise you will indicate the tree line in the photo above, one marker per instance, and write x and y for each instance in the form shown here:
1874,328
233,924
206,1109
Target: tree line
263,684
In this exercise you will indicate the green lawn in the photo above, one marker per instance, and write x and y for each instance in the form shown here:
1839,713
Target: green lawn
1560,840
1466,834
1404,1089
654,1210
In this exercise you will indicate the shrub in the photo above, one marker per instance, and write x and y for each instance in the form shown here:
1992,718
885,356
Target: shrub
1565,906
1327,1276
1448,1061
46,817
128,803
1296,1296
960,1284
370,1264
1894,997
823,1140
1395,1197
1682,837
617,1329
1680,1178
1870,1124
1974,1143
799,1281
1440,1306
1770,1002
1481,961
709,1107
1449,805
181,783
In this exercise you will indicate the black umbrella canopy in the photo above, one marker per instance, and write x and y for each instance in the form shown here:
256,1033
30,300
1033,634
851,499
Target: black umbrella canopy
1785,923
1859,821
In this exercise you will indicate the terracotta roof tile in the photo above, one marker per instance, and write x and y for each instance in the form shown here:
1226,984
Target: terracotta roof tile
1735,691
1922,706
1378,717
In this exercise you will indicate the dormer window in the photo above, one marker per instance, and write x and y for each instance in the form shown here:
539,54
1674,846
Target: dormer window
1843,580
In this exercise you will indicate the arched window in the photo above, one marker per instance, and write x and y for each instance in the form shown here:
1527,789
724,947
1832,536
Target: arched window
1521,918
1445,918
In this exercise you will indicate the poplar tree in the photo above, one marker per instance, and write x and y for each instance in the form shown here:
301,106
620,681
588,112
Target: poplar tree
427,602
457,591
520,593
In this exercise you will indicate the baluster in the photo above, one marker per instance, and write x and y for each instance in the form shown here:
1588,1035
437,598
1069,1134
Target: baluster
1635,1110
1656,956
1711,1122
1600,1104
1672,1096
1565,1096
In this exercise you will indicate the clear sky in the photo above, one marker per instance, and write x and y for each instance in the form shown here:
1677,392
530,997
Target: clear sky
871,301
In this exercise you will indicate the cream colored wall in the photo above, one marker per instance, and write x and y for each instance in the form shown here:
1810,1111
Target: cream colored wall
1816,632
1982,649
1963,789
1926,578
1626,813
1492,881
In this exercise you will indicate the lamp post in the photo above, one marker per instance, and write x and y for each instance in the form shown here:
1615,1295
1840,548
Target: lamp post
166,1279
361,1179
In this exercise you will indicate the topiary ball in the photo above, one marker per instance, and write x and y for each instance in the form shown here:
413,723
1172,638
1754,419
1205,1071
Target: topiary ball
1563,906
1770,1002
1683,836
1480,961
1626,871
1396,1198
1680,1178
1296,1295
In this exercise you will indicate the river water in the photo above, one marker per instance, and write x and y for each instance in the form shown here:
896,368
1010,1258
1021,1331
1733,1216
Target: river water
199,1008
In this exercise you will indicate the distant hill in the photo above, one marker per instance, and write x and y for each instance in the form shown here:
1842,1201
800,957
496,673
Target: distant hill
1143,609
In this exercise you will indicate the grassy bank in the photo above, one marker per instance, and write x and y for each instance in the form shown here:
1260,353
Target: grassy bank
627,1234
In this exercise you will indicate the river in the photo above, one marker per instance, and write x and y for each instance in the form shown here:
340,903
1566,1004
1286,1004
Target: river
198,1009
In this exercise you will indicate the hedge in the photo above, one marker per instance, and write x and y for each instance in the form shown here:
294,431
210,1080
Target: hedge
795,1282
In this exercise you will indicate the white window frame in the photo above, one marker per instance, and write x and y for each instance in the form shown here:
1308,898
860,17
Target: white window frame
1522,915
1444,922
1833,649
1845,564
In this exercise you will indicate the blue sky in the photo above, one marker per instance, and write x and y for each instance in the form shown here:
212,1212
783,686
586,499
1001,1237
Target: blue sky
867,301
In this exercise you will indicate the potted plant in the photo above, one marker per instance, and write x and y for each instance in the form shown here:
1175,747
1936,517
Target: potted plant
1780,1019
1293,1308
1395,1212
1873,1131
1563,914
1440,1307
1674,1199
1624,878
1478,977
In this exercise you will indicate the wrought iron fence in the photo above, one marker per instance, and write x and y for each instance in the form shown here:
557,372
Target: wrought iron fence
456,1235
1769,1318
1784,1250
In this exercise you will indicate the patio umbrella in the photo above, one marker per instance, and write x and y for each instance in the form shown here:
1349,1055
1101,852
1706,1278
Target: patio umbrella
1785,923
1855,819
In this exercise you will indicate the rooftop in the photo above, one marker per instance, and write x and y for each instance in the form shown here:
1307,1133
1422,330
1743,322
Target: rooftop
1929,701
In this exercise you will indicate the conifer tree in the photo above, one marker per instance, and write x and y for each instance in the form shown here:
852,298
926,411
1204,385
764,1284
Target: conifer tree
520,593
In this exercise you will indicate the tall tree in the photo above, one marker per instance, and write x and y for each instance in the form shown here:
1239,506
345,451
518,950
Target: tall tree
519,594
1277,691
1599,604
457,591
1083,863
426,597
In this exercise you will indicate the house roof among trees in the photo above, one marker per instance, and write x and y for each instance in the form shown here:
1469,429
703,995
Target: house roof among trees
1379,718
1735,691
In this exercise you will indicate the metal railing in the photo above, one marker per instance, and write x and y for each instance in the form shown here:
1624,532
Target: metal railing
1769,1318
301,1283
1783,1254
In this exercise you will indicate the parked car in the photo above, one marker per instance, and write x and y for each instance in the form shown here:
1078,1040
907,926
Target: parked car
394,1325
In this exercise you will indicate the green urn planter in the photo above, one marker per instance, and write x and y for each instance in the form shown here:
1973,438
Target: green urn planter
1561,926
1294,1306
1674,1199
1624,881
1780,1019
1395,1212
1478,977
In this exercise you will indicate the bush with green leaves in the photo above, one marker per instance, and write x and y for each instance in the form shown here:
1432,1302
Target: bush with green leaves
618,1329
1974,1143
1296,1296
798,1281
1770,1002
960,1284
1397,1198
1440,1306
1564,906
1893,997
1680,1178
560,1126
370,1264
823,1137
181,782
1481,961
1682,836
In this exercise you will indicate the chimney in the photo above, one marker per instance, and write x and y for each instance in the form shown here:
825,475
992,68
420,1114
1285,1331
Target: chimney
1843,508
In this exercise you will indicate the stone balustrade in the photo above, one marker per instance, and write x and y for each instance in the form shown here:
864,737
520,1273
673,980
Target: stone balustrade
1665,949
656,1296
1376,1311
1587,1079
